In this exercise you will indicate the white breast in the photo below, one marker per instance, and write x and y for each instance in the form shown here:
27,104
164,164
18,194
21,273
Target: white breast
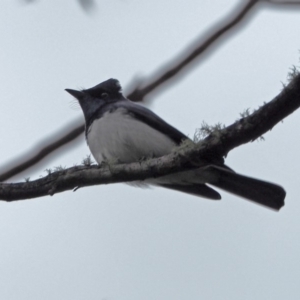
118,135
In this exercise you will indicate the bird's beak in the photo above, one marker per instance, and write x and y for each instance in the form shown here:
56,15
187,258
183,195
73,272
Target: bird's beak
77,94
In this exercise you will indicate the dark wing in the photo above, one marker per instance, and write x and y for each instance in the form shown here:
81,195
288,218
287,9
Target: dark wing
259,191
150,118
154,121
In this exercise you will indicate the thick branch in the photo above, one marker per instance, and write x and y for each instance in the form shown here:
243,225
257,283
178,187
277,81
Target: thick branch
217,145
262,120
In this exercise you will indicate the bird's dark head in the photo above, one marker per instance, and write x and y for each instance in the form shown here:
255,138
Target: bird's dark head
93,99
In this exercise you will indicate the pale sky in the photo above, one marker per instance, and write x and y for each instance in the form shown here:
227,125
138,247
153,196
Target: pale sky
119,242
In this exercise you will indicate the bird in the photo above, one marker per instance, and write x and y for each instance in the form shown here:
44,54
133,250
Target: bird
119,130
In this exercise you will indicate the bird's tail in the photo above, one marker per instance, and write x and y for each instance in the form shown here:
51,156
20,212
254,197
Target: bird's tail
262,192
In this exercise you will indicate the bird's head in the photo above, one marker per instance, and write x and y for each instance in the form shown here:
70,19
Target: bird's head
91,100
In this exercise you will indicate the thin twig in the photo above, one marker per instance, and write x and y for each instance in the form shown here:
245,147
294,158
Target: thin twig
283,2
42,152
191,53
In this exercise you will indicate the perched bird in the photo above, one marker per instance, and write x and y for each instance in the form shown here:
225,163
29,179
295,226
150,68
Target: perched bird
118,129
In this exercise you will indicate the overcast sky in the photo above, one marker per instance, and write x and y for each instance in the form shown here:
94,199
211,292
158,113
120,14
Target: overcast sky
119,242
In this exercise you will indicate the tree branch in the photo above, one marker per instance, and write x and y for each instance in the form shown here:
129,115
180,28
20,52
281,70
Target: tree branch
44,150
215,146
192,52
283,2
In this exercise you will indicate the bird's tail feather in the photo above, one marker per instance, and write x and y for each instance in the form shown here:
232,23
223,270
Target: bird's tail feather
262,192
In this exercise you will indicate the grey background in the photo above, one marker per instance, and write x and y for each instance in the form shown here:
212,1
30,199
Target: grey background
119,242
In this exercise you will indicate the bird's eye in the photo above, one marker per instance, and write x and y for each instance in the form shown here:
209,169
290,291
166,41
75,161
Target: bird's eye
104,95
